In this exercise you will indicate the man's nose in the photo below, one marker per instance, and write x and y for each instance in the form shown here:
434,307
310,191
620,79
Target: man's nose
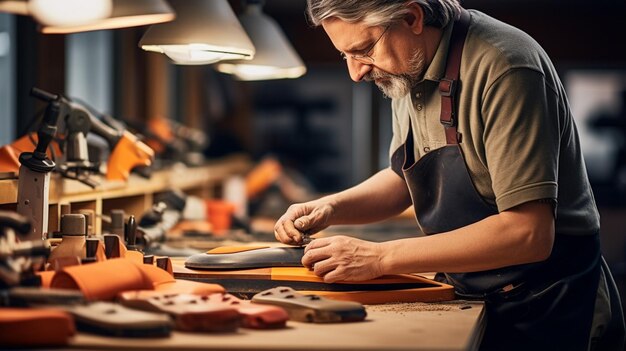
357,69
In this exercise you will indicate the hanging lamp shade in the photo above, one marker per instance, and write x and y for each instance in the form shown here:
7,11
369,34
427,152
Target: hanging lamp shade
16,7
204,31
59,12
275,58
125,13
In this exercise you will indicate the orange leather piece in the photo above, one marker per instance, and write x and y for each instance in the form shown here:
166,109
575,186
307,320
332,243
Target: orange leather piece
128,153
164,282
256,316
105,280
189,287
102,280
46,278
135,256
234,249
155,274
437,292
34,327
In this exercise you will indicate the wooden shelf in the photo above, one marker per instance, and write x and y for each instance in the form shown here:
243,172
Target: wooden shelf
179,177
134,196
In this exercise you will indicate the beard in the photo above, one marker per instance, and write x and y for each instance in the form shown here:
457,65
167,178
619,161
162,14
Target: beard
396,86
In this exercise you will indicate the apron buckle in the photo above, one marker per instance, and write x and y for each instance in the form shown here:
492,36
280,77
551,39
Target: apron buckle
447,87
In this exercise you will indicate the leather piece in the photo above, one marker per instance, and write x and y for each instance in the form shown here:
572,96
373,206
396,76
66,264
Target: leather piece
254,315
97,282
190,313
259,258
35,327
111,319
311,308
102,280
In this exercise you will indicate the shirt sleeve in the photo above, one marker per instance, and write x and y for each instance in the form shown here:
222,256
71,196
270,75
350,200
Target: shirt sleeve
521,137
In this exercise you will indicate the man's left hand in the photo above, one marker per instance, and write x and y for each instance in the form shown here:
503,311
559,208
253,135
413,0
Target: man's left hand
341,258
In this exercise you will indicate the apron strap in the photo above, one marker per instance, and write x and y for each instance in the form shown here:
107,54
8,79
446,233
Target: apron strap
448,84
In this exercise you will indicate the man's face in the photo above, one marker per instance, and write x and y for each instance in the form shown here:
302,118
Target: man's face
390,57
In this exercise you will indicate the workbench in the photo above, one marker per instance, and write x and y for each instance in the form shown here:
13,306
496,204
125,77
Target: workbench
456,325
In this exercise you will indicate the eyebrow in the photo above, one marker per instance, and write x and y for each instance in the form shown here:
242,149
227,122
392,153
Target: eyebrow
363,45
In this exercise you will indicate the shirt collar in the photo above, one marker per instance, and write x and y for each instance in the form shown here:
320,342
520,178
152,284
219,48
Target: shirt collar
437,67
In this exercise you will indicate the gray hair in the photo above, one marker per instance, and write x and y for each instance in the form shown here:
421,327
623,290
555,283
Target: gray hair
437,13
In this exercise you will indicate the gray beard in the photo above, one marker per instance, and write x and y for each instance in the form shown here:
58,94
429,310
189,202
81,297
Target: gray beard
396,86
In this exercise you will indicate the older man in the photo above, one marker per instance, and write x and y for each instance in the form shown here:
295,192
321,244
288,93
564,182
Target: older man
485,149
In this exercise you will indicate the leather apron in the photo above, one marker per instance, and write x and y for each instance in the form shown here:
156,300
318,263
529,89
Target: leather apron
545,305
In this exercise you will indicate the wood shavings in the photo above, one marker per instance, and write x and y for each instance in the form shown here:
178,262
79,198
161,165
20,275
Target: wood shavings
417,307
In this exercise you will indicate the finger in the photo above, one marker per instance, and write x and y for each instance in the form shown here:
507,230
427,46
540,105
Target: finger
323,267
281,234
292,232
302,223
334,276
316,244
312,256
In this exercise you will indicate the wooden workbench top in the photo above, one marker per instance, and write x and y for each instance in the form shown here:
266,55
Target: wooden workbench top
409,326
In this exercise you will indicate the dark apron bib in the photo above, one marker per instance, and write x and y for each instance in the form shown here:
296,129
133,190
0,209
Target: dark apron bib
545,305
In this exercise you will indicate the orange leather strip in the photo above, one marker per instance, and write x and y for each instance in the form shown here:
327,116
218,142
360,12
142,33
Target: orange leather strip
34,327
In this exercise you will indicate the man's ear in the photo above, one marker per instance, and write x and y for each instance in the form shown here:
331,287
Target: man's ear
414,19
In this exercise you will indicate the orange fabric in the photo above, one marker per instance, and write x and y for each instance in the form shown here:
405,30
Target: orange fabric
34,327
102,280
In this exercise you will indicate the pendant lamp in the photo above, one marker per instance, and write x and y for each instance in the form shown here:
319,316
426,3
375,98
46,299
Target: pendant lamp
204,31
125,13
275,58
59,12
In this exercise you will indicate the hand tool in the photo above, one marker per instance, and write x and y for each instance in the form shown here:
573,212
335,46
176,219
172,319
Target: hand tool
19,259
34,173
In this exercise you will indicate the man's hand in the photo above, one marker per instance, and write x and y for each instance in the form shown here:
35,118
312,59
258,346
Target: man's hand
341,258
307,218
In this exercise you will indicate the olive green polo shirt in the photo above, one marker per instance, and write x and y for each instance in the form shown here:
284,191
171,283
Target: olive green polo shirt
519,139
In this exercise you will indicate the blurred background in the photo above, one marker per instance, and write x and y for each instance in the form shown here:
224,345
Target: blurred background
330,131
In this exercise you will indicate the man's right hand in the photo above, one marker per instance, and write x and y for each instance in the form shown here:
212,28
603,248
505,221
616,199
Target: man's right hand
306,218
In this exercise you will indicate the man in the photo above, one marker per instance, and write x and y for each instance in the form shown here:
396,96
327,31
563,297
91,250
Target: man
485,149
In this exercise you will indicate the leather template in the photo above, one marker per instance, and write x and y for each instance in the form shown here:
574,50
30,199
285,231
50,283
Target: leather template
111,319
311,308
190,313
